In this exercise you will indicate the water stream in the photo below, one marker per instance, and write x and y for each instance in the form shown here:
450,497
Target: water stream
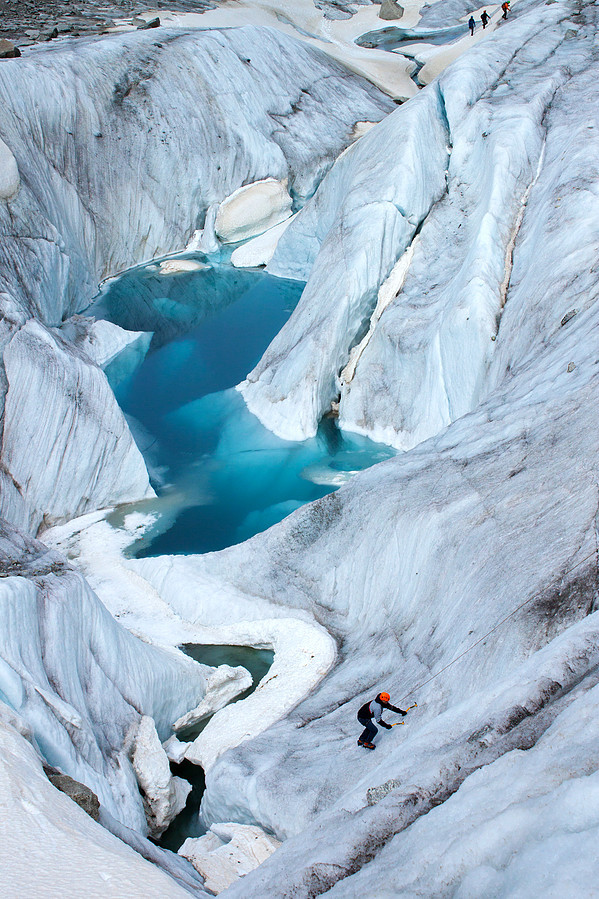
257,662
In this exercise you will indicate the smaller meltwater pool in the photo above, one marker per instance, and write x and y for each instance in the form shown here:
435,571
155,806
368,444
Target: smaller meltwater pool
257,662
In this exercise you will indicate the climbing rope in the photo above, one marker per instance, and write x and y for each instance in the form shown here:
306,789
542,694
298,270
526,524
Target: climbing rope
493,629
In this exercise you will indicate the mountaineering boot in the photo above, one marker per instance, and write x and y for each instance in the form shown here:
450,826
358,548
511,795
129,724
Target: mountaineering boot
368,745
360,742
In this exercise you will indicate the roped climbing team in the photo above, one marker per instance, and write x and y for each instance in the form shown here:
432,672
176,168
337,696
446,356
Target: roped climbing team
486,18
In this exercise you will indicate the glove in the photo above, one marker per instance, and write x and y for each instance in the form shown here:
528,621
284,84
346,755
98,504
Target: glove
384,724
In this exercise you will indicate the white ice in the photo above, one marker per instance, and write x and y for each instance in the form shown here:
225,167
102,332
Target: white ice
60,417
9,173
174,266
103,341
334,37
164,795
260,250
252,210
79,680
227,852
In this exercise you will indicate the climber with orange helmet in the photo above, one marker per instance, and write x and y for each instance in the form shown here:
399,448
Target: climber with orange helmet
374,710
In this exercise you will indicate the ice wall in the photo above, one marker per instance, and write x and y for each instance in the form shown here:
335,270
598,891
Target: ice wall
119,147
78,679
367,210
116,143
50,846
457,163
66,444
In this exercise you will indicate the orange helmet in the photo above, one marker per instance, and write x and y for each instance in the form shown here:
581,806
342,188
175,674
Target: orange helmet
384,696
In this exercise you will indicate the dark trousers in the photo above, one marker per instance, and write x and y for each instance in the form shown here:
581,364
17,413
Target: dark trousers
370,731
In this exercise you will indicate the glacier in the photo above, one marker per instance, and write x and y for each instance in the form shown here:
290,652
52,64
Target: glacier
77,217
451,311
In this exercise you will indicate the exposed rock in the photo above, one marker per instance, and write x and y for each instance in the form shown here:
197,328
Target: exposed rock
78,792
228,852
8,50
56,632
68,854
151,23
568,316
390,9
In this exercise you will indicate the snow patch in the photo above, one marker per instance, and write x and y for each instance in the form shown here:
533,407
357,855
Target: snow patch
164,795
228,852
223,685
38,816
173,266
252,209
168,600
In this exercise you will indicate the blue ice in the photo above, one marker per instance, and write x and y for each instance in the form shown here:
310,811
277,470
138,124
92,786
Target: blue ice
220,475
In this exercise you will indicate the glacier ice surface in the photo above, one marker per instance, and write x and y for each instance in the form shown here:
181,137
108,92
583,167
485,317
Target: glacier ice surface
489,519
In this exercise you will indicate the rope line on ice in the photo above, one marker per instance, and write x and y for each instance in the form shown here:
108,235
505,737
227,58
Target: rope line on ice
493,629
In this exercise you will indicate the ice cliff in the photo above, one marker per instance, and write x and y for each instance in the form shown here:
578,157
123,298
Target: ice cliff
78,681
445,178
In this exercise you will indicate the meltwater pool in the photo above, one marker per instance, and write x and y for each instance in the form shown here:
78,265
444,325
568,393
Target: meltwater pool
220,476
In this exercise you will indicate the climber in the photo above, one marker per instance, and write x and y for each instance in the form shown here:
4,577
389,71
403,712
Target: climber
484,17
505,7
471,25
374,710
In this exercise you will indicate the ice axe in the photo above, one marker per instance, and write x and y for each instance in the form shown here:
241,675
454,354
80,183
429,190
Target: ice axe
397,723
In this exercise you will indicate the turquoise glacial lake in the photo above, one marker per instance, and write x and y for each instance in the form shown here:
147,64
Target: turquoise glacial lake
220,476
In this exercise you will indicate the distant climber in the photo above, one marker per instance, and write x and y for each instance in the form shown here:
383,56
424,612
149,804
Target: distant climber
505,7
484,17
471,25
374,710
